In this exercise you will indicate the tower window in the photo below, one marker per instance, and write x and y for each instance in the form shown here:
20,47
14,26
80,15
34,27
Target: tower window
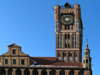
75,41
14,61
60,41
59,56
68,26
83,61
14,51
64,56
72,40
66,41
70,56
86,60
22,61
6,61
75,56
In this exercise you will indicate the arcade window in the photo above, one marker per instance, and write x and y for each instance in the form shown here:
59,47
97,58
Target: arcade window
6,61
22,61
14,51
14,61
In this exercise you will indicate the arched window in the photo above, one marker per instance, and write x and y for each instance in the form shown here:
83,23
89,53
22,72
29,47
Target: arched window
64,56
59,56
62,72
70,56
71,73
44,72
75,56
81,73
53,72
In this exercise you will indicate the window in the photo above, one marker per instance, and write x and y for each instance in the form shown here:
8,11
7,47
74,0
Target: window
71,73
64,56
22,61
75,56
66,41
14,61
86,60
60,41
6,61
70,57
14,51
59,56
73,40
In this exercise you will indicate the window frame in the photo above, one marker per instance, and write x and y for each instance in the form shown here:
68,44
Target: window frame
14,51
14,61
22,60
6,61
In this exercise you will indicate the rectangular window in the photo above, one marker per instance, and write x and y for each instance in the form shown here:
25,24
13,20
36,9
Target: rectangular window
60,41
14,61
6,61
22,61
86,60
14,51
72,40
75,41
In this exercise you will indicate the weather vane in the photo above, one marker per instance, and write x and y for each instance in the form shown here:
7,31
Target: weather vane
86,40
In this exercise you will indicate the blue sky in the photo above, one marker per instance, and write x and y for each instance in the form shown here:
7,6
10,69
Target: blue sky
30,24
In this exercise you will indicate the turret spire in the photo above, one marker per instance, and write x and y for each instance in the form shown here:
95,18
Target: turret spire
87,43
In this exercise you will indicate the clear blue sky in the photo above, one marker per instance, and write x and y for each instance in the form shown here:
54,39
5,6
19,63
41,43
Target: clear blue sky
30,24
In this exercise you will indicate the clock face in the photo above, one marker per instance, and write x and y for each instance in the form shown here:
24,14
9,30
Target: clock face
67,19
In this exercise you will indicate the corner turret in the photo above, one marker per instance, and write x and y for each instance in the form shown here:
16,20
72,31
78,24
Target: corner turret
87,59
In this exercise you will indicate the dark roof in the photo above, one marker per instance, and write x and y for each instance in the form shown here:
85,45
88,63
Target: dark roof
14,45
52,61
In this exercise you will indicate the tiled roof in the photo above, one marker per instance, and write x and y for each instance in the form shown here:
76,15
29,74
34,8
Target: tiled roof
52,61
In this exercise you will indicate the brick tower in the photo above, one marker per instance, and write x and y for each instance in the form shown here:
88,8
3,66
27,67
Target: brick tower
69,31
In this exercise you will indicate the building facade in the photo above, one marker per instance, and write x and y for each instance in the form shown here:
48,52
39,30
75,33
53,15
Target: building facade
68,60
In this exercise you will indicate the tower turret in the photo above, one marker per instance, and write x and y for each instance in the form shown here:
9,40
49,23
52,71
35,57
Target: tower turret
87,58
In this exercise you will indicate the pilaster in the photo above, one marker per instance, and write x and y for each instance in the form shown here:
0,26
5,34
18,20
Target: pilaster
57,72
70,40
6,69
31,71
87,72
14,71
22,71
67,72
67,56
63,40
77,72
61,56
39,71
72,56
48,71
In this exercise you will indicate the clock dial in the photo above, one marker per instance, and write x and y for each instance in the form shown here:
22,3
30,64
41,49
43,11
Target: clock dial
67,19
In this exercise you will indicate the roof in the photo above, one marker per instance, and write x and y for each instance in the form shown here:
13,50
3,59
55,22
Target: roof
44,61
14,45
